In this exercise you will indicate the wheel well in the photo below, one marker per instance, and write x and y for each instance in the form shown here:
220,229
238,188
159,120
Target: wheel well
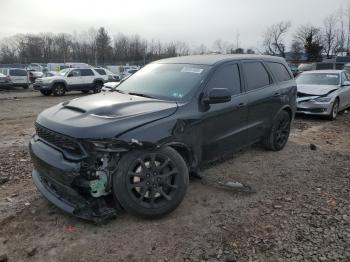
289,111
184,152
98,81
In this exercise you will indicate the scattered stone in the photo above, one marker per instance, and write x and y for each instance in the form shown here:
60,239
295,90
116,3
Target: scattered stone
232,184
27,204
230,259
31,251
9,199
219,253
277,206
4,180
313,147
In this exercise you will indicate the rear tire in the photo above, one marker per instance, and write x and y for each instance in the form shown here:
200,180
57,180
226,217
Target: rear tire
335,110
278,136
25,86
46,92
59,89
149,183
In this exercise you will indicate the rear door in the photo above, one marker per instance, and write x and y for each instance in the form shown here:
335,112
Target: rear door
224,125
264,98
88,78
18,76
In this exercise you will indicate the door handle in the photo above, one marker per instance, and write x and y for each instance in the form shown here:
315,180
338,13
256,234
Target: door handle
276,94
240,105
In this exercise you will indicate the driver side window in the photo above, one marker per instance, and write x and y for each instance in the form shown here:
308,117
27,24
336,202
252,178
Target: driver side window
226,76
74,73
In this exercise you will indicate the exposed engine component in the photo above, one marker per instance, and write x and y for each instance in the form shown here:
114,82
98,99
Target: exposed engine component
99,186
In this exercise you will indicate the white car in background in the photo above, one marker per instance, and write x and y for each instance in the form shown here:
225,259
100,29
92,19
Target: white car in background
110,86
107,75
16,77
323,92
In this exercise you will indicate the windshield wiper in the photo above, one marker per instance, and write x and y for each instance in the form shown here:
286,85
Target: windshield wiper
139,94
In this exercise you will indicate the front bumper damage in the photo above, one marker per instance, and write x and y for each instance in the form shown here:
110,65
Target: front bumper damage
308,106
56,178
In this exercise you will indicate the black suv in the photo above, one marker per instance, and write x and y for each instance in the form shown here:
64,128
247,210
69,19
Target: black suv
133,147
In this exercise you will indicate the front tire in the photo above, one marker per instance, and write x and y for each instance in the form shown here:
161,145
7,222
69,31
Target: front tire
279,134
151,184
335,110
59,89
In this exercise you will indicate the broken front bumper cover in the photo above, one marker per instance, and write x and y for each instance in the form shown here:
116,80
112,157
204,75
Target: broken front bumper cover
314,108
53,176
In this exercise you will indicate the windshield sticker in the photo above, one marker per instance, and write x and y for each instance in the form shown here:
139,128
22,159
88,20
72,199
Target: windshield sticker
192,70
332,76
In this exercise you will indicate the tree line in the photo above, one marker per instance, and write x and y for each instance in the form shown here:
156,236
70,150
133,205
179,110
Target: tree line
95,47
330,39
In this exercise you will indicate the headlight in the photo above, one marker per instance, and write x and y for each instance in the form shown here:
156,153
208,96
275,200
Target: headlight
322,99
107,145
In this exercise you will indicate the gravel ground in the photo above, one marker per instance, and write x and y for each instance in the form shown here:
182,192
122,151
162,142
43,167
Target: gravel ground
295,205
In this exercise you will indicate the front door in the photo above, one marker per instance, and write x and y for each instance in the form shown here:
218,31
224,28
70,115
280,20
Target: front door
224,125
74,79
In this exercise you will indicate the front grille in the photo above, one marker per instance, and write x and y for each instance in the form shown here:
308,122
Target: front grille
63,142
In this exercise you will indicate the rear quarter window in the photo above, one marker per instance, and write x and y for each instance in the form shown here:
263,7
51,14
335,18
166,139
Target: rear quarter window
101,72
18,72
279,71
256,75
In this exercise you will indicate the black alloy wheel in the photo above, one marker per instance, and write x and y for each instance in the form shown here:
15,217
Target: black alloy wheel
151,183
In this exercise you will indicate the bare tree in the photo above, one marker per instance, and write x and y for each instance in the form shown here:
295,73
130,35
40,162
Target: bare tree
297,50
310,37
274,42
329,36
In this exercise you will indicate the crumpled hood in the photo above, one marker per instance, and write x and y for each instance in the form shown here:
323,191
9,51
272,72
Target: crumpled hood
104,115
316,90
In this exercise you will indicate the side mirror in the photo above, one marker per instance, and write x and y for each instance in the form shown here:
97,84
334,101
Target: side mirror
217,96
346,83
70,75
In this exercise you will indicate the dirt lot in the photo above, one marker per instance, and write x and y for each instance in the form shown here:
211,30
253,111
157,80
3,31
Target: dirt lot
298,208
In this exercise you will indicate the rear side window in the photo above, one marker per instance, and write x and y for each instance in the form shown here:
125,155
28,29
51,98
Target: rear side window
280,71
256,75
101,71
339,66
86,72
18,72
226,76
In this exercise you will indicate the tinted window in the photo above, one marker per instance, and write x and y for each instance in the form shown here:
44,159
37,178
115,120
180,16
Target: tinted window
280,71
256,75
18,72
226,77
100,71
86,72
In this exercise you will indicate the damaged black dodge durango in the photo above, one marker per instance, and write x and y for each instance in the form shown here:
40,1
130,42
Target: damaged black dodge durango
134,146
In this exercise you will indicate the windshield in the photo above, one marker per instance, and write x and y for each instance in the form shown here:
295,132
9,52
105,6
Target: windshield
63,71
175,82
318,79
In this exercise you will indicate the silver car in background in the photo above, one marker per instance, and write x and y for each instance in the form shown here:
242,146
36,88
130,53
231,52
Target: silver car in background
323,92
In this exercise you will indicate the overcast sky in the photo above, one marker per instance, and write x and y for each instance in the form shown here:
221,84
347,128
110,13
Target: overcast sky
193,21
